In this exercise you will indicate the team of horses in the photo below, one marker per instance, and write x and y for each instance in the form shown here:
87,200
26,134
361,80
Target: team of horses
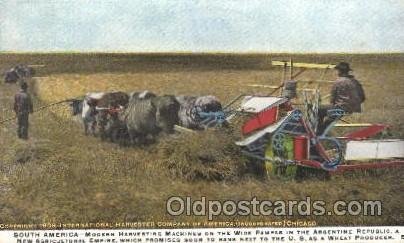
138,117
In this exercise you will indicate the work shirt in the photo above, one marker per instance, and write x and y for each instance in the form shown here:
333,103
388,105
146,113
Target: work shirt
348,94
22,103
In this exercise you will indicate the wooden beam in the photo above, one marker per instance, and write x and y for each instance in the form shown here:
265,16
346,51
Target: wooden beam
302,65
271,86
263,86
326,82
291,69
317,81
36,65
284,72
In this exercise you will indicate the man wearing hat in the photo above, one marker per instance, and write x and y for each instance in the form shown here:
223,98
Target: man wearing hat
22,108
346,94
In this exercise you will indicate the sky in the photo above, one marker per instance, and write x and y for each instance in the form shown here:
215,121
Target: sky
202,26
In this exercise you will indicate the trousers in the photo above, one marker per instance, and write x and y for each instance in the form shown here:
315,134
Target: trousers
323,119
22,123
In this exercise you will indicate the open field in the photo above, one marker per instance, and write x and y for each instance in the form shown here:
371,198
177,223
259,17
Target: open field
60,175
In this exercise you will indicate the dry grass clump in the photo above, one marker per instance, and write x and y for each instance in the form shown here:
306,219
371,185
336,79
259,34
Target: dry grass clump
210,155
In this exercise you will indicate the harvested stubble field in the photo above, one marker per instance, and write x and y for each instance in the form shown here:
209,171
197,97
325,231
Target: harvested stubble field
60,175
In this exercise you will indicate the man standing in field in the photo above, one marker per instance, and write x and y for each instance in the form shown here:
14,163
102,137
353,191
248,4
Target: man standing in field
346,94
22,108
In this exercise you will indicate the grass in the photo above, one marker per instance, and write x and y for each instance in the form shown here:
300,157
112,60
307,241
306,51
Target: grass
60,175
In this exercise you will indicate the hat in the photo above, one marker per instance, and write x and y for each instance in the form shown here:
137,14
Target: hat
343,66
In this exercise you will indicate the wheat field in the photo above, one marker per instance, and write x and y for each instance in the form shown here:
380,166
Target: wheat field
60,175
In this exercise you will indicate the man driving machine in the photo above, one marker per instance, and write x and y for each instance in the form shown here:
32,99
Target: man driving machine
346,94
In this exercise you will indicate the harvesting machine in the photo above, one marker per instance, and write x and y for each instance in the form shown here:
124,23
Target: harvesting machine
284,136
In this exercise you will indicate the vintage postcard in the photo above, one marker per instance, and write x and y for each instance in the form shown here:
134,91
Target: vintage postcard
201,121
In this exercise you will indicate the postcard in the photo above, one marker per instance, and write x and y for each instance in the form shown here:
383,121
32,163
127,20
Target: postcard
201,121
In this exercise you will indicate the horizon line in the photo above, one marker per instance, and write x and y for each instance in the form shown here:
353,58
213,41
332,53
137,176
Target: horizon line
197,53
